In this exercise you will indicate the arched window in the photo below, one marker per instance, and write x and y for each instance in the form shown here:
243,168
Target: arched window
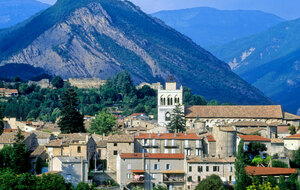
162,100
176,100
168,116
170,100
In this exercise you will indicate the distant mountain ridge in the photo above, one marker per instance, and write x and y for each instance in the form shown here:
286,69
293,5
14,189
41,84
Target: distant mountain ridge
98,38
270,61
15,11
209,27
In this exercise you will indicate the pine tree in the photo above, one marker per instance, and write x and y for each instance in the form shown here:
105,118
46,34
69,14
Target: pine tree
242,180
71,120
178,122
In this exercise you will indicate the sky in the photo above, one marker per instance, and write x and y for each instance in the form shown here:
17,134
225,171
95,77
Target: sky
288,9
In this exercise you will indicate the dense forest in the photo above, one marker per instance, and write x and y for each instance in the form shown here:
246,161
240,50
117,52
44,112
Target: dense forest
119,93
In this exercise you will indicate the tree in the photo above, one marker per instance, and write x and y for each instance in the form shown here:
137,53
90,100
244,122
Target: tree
159,187
57,82
103,123
53,182
84,186
1,120
279,164
38,165
255,147
242,180
265,186
71,120
212,182
20,155
292,130
296,160
178,122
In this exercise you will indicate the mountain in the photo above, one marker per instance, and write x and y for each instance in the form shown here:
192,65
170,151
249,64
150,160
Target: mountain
270,61
210,27
98,38
15,11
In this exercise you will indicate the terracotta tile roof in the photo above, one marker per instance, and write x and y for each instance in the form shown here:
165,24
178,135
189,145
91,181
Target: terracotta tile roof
100,140
296,136
283,129
276,140
251,123
138,171
168,136
38,151
7,91
198,159
54,143
42,135
9,138
289,116
227,129
74,136
137,114
273,111
9,130
263,171
124,138
210,138
152,155
248,131
254,138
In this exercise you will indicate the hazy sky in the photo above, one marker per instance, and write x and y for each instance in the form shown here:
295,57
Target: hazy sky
289,9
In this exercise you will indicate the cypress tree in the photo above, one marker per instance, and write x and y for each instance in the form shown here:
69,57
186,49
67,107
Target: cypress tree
178,122
1,120
242,180
71,120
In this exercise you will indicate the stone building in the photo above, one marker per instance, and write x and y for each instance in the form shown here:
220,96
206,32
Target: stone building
154,86
44,83
72,145
264,172
292,142
188,143
168,98
148,170
117,144
86,82
291,119
199,168
211,116
255,138
277,147
73,169
9,139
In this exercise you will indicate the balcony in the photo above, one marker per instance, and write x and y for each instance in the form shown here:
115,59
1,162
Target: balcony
173,176
138,177
171,146
150,145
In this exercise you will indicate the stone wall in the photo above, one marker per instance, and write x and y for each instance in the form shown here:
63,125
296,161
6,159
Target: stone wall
86,82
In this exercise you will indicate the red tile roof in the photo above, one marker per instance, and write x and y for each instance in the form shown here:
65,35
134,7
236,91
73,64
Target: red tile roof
137,114
9,130
210,138
254,138
273,111
138,171
282,129
167,136
263,171
153,155
296,136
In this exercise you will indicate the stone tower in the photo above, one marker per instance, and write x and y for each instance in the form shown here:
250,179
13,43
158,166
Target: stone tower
168,98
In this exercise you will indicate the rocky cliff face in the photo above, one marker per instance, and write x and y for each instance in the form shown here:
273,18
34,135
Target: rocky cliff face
98,38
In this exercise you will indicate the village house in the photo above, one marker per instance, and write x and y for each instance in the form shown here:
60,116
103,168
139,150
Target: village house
39,152
43,137
101,149
292,142
8,92
277,147
8,138
291,119
264,172
188,143
198,168
73,169
148,170
283,131
255,138
72,145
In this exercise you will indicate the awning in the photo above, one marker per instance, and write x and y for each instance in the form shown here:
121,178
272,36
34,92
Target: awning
173,172
138,171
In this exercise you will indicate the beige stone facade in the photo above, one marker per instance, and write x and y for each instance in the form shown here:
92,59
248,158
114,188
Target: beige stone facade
199,168
188,143
86,82
149,170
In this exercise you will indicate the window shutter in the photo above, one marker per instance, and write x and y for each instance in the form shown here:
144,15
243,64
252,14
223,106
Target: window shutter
170,166
146,166
158,166
165,166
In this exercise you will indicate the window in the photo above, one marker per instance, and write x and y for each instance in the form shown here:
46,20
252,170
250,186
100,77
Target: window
99,153
155,166
69,177
198,152
230,178
215,168
129,166
230,169
79,149
166,151
186,143
154,176
199,168
115,144
173,150
128,176
154,150
154,142
168,116
168,167
146,166
115,152
207,168
173,142
166,142
190,179
199,178
190,168
187,152
129,144
197,143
